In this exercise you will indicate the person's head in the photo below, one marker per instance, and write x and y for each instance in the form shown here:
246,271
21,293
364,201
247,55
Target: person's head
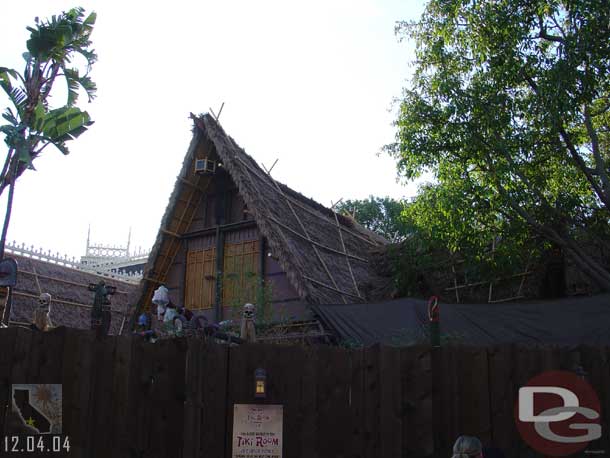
467,447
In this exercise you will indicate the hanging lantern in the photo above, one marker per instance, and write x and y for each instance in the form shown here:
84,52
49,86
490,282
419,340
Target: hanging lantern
260,384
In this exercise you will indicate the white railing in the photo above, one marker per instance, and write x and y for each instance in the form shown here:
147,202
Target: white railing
39,253
104,269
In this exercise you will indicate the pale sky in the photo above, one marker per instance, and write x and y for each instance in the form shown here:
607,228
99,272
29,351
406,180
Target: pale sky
309,83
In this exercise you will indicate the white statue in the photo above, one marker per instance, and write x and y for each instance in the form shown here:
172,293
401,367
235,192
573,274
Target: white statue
247,332
42,313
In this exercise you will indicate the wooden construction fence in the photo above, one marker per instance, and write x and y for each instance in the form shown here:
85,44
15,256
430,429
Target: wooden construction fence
123,397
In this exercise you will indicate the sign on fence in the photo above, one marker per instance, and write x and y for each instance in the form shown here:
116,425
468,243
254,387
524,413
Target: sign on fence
257,431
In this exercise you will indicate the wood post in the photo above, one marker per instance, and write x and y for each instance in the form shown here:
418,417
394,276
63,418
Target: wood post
261,296
220,248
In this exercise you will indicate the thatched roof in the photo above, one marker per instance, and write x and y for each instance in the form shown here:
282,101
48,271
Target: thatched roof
71,299
325,255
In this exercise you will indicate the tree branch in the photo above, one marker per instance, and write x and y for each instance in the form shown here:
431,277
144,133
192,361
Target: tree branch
5,168
600,164
603,196
544,35
548,37
583,166
563,33
597,272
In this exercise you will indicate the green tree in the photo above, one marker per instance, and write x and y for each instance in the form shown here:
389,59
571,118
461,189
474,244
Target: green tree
510,106
33,124
379,214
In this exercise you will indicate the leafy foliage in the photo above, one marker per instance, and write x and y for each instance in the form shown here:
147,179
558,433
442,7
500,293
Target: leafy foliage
509,108
32,123
379,214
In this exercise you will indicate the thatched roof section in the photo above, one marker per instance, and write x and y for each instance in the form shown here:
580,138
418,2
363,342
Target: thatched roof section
71,299
325,255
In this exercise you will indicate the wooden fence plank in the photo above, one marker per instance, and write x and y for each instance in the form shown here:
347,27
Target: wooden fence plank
50,364
133,386
142,385
19,374
7,344
100,414
390,402
34,356
214,390
474,409
76,388
120,397
417,411
596,363
356,403
447,424
193,404
332,402
69,358
158,400
165,438
175,390
502,398
372,387
527,363
286,390
307,404
21,355
440,411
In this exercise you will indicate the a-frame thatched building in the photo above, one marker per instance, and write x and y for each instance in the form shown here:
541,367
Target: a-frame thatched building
232,234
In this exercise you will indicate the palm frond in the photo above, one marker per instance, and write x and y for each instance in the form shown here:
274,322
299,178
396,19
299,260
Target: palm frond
76,81
18,97
10,117
66,123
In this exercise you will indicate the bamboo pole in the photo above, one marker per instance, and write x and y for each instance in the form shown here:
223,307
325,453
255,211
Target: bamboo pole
349,265
303,206
60,301
318,244
479,283
315,248
68,282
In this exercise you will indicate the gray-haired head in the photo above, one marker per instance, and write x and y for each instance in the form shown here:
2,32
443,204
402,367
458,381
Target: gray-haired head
467,447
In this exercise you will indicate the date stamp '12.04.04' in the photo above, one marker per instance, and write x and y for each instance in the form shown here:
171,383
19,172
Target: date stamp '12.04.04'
34,421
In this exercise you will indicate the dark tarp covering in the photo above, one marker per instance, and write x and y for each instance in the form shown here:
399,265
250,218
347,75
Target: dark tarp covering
569,321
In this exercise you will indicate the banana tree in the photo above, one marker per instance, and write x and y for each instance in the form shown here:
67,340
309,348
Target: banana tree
58,50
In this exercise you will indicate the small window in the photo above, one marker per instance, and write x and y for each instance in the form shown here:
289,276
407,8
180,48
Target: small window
205,166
